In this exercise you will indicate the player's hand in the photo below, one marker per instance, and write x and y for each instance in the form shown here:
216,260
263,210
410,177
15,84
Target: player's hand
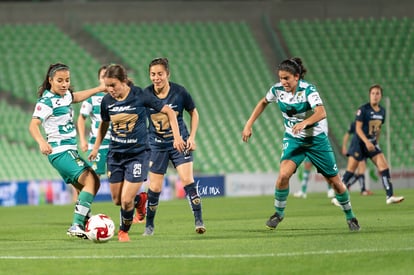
299,127
92,156
370,146
45,148
246,133
179,144
191,144
83,146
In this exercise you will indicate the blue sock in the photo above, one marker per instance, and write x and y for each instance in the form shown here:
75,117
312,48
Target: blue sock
152,205
386,182
194,199
126,219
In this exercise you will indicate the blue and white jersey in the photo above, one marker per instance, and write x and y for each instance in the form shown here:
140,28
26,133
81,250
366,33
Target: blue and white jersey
160,131
56,114
128,119
371,120
91,107
298,106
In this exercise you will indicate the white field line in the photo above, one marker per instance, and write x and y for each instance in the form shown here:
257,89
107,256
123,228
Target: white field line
201,256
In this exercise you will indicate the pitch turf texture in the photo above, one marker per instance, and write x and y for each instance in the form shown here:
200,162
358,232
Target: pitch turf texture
313,239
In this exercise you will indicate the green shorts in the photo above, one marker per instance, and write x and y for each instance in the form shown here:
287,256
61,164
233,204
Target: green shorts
69,165
317,149
99,164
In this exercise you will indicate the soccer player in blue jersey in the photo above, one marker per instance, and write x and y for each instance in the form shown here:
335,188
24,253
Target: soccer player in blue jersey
125,108
369,119
54,112
305,136
359,173
161,142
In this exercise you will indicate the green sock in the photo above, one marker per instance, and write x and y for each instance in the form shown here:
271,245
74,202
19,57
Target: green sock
82,207
280,201
343,199
305,180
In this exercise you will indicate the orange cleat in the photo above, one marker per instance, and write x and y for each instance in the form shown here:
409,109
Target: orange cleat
123,236
367,193
141,208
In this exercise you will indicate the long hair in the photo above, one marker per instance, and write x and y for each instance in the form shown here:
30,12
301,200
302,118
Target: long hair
53,68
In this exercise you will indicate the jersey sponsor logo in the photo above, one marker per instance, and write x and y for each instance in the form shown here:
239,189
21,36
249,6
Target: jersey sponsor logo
122,108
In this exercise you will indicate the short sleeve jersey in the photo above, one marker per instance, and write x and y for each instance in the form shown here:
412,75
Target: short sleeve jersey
129,120
351,128
371,120
297,107
56,114
92,108
160,132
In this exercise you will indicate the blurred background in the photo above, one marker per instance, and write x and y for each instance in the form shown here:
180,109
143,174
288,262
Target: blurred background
225,54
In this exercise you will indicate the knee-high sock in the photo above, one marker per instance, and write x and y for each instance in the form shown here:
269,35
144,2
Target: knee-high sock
152,205
386,182
126,219
280,201
194,200
82,208
343,199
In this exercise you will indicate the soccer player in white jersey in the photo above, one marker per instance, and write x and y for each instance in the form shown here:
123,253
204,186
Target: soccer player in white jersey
305,136
91,108
54,112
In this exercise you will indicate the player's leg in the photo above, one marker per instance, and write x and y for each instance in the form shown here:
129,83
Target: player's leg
362,166
290,160
158,167
323,159
349,177
129,191
154,190
185,172
77,172
382,166
287,169
307,166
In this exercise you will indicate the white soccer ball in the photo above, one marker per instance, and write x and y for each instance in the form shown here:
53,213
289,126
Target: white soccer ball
100,228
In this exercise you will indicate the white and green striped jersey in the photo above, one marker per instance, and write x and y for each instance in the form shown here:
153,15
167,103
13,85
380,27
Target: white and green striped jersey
297,107
92,108
56,114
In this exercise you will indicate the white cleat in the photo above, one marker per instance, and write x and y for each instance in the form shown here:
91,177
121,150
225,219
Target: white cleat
300,194
393,199
331,193
335,202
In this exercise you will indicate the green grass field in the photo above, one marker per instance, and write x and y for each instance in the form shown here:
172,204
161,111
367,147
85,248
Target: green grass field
313,239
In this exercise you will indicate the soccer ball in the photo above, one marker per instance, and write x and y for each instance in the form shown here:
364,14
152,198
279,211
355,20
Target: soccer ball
100,228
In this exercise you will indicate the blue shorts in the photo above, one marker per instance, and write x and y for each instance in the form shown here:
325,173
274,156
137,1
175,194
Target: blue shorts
132,167
159,160
359,151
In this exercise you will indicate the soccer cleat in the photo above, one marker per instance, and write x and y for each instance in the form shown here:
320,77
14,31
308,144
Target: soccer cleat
76,231
141,208
393,199
123,236
273,221
353,224
367,193
300,194
335,202
149,231
331,193
199,227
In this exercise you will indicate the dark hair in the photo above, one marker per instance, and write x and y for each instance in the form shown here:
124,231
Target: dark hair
119,72
53,68
160,61
294,66
375,86
103,67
